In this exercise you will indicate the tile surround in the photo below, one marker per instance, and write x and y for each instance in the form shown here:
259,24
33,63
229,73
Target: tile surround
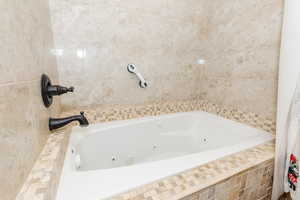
252,184
26,40
121,112
159,36
239,40
167,55
230,167
42,182
242,55
166,39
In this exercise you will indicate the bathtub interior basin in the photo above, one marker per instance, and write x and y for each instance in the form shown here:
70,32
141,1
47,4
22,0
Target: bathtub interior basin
109,158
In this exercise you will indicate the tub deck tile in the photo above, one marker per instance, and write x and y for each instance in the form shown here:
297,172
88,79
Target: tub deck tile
41,183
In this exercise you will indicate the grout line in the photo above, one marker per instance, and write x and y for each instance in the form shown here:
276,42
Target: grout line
11,83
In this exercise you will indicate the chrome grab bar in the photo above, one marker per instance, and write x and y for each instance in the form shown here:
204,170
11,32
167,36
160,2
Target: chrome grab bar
133,69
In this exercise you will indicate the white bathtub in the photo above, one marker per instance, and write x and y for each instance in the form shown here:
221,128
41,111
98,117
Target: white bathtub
109,158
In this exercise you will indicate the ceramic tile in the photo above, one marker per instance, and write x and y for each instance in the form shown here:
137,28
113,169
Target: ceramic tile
168,40
178,186
121,112
26,41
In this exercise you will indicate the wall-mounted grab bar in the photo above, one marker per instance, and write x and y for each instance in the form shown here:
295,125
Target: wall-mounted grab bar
133,69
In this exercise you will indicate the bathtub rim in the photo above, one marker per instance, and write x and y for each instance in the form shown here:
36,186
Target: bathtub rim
107,125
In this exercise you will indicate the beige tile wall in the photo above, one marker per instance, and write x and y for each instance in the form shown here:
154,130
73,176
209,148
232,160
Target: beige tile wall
239,41
95,40
26,41
243,51
252,184
159,36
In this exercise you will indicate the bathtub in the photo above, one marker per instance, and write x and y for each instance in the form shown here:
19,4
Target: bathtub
106,159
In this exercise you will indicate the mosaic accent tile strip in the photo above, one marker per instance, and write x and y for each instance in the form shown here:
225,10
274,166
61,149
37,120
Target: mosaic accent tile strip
192,181
44,177
253,184
121,112
42,182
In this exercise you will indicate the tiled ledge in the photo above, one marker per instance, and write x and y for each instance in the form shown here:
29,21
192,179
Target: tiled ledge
42,182
252,184
121,112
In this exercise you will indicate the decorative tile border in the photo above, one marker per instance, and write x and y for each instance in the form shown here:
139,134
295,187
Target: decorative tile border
44,177
121,112
252,184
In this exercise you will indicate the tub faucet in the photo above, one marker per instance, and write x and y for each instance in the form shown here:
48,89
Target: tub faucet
55,123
